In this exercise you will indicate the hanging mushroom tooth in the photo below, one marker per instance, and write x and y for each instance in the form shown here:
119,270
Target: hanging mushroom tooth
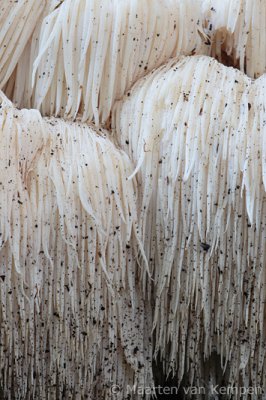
84,56
202,217
257,102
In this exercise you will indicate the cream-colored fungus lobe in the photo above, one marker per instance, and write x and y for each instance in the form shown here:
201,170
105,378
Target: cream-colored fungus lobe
72,309
196,132
90,52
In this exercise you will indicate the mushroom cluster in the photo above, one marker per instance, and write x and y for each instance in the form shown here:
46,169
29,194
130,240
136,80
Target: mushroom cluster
132,198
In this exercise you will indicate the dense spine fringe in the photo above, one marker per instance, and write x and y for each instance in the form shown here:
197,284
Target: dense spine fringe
72,312
196,132
90,53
